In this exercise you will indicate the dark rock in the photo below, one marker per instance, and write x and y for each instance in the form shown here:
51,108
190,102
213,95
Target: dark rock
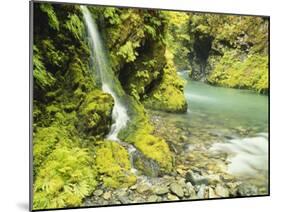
195,178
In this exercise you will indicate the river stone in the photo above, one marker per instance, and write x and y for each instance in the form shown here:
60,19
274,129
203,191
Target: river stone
142,188
246,189
107,195
201,192
212,193
98,192
124,199
152,198
176,189
180,171
133,187
172,197
161,190
221,191
195,178
189,191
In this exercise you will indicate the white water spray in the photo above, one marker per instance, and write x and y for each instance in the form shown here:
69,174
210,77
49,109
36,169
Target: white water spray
247,156
119,113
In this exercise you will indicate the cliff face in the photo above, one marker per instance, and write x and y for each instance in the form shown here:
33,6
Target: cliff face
229,51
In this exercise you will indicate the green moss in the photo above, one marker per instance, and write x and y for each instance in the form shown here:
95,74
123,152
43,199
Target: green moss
155,148
95,113
139,132
66,178
113,165
53,20
249,73
168,95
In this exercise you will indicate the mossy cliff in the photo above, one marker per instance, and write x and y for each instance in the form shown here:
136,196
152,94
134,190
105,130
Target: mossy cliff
224,50
72,115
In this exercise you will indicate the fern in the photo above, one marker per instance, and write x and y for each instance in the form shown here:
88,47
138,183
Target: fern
42,78
75,26
49,10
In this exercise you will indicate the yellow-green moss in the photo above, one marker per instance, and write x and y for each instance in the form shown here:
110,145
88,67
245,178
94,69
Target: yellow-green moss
250,73
113,164
95,113
139,132
155,148
168,96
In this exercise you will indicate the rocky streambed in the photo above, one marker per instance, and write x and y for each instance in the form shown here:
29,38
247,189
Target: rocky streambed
200,172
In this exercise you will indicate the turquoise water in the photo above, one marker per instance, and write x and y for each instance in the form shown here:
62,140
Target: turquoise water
225,107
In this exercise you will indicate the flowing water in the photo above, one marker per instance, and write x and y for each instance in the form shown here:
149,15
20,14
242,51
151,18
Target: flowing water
226,121
109,83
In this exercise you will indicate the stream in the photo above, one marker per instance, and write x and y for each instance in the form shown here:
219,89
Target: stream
220,144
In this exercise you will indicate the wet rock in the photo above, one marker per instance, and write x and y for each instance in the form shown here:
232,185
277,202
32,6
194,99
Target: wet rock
142,188
176,189
201,192
107,195
152,198
124,199
195,178
213,179
189,190
212,193
183,138
146,165
246,189
161,190
221,191
98,192
133,187
181,172
172,197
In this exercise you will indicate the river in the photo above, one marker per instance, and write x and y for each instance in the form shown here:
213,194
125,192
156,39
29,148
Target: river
223,131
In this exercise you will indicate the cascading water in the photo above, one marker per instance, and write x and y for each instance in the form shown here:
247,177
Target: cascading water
109,84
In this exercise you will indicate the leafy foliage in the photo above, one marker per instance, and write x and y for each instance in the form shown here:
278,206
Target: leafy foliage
252,72
66,178
75,26
53,20
42,78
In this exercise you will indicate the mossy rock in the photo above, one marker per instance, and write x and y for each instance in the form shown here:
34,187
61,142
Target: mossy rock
113,164
168,95
250,72
95,113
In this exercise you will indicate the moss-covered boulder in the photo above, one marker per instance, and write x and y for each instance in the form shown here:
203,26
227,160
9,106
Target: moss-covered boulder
95,113
168,95
139,132
113,165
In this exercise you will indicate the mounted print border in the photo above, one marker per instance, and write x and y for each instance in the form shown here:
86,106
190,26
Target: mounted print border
146,105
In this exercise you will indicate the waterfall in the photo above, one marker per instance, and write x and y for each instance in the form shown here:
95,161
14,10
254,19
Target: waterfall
109,84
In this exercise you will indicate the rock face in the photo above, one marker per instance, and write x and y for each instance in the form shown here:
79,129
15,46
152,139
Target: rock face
176,189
